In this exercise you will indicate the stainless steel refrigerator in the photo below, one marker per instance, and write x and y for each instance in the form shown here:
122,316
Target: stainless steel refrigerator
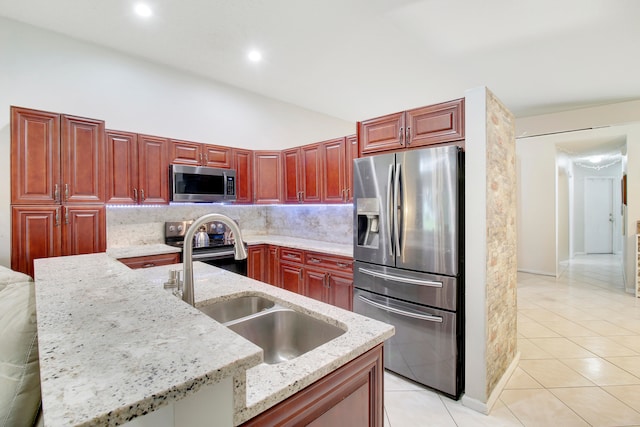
408,247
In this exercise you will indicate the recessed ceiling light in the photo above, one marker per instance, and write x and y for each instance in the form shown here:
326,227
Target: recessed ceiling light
143,10
595,159
254,56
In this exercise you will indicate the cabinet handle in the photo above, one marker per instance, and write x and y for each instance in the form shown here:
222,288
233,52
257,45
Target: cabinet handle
66,215
401,134
148,265
327,279
206,159
57,217
408,135
66,192
342,264
290,256
56,193
135,194
201,159
314,260
142,195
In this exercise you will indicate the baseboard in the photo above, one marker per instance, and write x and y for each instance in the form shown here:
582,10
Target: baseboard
542,273
486,407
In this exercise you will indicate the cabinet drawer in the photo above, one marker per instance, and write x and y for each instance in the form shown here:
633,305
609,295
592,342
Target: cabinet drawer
332,262
291,255
151,260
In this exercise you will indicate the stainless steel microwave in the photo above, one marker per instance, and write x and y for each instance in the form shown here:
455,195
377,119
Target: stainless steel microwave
202,184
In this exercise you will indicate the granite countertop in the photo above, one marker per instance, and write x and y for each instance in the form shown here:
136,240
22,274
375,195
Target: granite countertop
142,250
113,343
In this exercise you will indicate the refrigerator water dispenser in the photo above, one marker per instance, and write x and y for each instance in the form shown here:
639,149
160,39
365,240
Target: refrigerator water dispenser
368,214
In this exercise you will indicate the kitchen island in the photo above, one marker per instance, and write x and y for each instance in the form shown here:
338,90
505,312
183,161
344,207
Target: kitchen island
116,347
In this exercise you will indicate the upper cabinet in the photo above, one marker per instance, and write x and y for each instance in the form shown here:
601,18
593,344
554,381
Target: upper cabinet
267,168
434,124
196,154
242,162
351,149
138,169
334,171
56,158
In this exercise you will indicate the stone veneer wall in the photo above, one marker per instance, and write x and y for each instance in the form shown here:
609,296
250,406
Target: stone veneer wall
501,270
143,225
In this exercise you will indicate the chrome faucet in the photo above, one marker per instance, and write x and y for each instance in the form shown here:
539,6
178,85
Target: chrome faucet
240,252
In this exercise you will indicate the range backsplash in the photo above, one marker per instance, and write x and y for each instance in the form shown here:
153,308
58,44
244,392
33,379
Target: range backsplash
143,225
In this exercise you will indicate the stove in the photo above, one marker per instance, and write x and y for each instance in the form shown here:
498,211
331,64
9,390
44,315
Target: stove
219,252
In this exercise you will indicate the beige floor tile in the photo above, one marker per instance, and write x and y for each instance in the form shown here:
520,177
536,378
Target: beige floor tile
576,314
528,350
605,328
630,364
601,372
567,328
416,408
629,394
386,419
553,373
521,380
464,417
632,342
603,346
393,382
527,406
541,314
597,406
535,330
562,348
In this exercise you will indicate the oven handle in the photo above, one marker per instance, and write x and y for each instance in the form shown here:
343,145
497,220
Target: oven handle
401,279
401,312
213,255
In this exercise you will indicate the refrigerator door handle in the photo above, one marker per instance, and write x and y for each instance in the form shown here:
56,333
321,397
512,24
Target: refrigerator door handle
390,207
401,312
397,206
409,280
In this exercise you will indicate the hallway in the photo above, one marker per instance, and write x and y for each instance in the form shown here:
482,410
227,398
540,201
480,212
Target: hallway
579,338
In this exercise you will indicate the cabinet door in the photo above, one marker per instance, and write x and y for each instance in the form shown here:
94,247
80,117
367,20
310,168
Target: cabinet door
186,153
267,176
243,164
435,124
291,277
150,260
334,171
122,168
84,158
291,177
35,233
315,284
311,179
256,262
340,291
84,229
35,157
153,170
273,265
216,156
381,134
351,151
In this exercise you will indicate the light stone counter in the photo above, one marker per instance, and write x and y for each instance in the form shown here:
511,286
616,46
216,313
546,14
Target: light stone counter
142,250
115,345
297,243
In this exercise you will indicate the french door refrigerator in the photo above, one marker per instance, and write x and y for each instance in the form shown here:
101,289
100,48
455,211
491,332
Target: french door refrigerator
408,247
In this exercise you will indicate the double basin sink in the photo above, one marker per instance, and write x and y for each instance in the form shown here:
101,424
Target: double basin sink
282,333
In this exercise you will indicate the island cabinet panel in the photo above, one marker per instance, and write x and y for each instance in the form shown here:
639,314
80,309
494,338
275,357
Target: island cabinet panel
153,169
257,262
36,233
334,171
122,168
151,260
311,176
242,162
351,150
420,127
352,395
267,176
292,170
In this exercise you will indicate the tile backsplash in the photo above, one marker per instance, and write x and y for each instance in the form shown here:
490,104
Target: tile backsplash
140,225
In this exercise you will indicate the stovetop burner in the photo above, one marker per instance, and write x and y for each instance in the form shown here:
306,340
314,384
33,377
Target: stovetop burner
220,237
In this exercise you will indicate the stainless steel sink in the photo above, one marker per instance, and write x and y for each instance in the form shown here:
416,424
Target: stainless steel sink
284,334
226,311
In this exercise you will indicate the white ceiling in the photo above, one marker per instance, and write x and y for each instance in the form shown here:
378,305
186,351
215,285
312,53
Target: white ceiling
357,59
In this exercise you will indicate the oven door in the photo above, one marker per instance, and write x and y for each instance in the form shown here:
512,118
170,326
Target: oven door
424,347
222,259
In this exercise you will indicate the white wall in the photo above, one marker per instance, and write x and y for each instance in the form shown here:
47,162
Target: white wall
563,209
44,70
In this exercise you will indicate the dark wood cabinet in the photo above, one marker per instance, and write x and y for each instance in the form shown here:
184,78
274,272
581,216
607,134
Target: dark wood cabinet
329,278
273,265
267,176
153,167
311,176
315,284
242,162
83,229
197,154
292,171
352,395
290,277
420,127
257,258
334,172
351,150
36,232
150,260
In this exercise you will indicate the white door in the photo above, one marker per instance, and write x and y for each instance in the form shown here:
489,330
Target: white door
598,203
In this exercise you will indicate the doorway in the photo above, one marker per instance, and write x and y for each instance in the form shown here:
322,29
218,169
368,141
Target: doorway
598,210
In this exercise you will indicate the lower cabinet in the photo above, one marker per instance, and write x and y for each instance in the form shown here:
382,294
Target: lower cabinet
151,260
290,276
350,396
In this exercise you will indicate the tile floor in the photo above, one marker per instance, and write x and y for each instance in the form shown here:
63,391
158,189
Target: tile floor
579,339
